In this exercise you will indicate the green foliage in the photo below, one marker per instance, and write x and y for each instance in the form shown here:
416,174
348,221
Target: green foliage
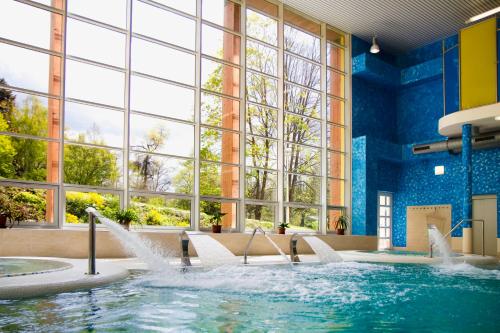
342,222
70,218
124,216
7,152
90,166
19,204
284,225
77,202
153,217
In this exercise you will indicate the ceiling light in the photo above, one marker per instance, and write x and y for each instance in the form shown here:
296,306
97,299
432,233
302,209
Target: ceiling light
497,118
374,48
483,15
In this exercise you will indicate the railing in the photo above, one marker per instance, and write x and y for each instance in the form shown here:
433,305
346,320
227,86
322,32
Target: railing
294,257
431,244
184,242
245,260
92,245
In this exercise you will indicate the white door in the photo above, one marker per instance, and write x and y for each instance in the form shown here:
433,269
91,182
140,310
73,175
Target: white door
484,207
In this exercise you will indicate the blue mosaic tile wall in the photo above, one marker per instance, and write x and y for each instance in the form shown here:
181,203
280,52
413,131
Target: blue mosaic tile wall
389,119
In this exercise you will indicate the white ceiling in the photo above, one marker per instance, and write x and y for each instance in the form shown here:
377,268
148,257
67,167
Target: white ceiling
400,25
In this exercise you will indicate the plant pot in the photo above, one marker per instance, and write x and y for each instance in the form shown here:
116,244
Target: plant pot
126,225
340,231
3,221
217,228
281,231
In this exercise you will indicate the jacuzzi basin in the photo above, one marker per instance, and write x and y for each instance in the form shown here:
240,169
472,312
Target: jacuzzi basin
20,266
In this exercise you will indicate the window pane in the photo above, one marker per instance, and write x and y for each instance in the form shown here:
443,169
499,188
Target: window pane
332,218
222,12
76,203
27,159
219,180
94,84
302,130
29,69
152,135
162,211
29,114
162,99
261,184
220,112
33,205
335,83
263,6
302,159
209,207
260,216
220,146
301,188
262,27
156,60
302,219
302,101
383,222
37,32
161,174
262,58
388,200
112,12
261,152
220,44
92,166
94,125
335,57
302,43
262,121
188,6
95,43
336,192
302,72
336,165
335,37
382,200
301,22
335,110
336,138
262,89
163,25
220,78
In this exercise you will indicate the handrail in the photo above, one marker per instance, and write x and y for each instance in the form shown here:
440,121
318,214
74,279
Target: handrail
431,244
294,257
184,242
92,244
245,260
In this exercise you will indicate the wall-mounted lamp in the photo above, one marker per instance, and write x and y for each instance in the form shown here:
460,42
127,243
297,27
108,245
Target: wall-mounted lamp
374,48
439,170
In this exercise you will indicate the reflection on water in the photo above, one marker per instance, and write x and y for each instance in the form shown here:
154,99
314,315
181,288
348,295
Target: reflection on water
352,297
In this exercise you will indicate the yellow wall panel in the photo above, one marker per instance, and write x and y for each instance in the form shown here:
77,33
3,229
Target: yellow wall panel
478,64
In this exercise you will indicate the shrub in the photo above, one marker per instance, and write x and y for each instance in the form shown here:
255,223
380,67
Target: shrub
153,217
70,218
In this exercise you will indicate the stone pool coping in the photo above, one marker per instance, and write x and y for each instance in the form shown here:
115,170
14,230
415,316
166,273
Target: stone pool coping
71,279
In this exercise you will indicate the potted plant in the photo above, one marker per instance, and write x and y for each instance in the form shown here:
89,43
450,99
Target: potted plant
282,228
341,224
216,220
5,208
126,216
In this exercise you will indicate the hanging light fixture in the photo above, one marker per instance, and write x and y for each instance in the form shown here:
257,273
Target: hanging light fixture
374,48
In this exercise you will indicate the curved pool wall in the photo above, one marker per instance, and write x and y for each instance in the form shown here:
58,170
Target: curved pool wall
73,243
10,267
341,297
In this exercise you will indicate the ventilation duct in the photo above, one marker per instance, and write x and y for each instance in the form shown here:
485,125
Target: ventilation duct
488,140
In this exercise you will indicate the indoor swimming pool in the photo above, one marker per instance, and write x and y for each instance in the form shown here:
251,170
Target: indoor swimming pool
347,297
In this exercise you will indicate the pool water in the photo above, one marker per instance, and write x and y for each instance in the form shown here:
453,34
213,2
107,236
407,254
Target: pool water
341,297
20,266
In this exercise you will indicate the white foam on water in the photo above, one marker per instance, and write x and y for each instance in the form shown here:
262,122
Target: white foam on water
441,247
325,253
211,252
467,270
133,244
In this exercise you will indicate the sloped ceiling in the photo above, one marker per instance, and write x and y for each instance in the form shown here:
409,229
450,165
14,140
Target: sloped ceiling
400,25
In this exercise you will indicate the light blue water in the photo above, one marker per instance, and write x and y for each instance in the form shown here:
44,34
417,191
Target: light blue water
19,266
344,297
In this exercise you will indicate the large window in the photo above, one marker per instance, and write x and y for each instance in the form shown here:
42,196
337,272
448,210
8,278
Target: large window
176,111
